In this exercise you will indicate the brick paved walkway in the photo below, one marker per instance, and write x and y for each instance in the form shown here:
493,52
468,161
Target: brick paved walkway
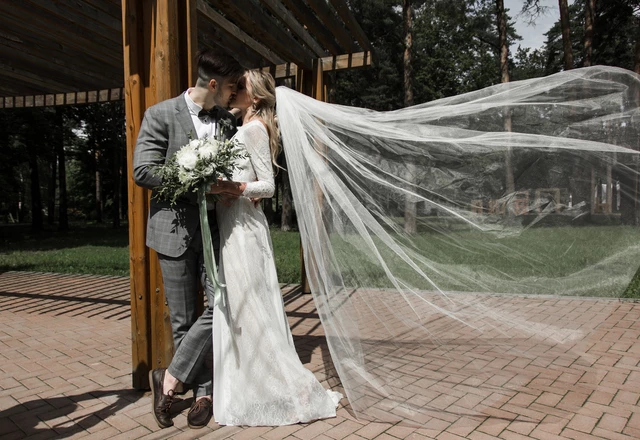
65,373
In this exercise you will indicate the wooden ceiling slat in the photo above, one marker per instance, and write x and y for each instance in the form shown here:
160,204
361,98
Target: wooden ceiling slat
206,12
52,63
76,10
278,9
352,24
80,15
47,28
114,9
210,36
327,16
13,89
30,82
305,15
63,46
19,40
249,16
77,79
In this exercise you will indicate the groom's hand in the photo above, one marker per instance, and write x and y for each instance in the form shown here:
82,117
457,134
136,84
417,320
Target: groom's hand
256,201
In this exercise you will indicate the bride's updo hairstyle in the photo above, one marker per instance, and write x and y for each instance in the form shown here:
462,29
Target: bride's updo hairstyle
263,87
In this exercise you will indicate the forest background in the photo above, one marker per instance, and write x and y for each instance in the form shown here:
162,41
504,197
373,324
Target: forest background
62,166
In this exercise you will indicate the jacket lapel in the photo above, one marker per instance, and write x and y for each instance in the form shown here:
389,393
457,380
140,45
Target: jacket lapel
184,118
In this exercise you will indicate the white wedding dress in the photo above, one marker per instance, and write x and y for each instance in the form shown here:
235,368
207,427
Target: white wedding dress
258,376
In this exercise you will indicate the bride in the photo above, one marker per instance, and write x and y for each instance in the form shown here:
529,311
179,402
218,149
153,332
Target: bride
258,376
427,231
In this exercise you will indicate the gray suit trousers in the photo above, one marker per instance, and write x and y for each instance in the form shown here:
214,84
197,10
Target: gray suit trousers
192,362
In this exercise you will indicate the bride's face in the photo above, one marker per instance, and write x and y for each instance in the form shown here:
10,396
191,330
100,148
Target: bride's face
242,99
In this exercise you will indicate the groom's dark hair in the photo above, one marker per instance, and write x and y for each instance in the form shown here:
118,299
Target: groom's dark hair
214,63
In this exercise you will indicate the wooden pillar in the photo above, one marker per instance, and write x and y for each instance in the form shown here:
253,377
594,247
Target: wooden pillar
159,40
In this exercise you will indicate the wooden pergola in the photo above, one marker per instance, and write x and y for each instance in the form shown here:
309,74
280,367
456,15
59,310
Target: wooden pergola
57,52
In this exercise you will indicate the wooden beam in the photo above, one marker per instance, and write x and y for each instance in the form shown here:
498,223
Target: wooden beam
328,18
254,21
136,77
328,64
352,24
278,9
346,61
189,41
307,18
72,98
152,53
287,70
208,13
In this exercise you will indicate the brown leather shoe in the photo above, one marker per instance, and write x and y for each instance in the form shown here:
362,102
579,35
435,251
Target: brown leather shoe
200,413
160,403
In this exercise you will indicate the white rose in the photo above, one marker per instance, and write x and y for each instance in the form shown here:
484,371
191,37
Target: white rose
187,158
208,151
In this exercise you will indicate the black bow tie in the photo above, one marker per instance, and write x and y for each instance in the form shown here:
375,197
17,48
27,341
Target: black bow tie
212,113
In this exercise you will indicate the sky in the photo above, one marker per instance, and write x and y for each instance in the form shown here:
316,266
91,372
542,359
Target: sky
533,35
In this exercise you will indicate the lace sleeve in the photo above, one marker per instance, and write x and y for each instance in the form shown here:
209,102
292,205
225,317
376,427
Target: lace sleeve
257,145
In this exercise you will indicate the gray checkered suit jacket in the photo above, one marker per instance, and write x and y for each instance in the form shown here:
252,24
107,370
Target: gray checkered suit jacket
166,127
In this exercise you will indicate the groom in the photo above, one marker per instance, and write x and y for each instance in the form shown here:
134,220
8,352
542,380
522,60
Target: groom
174,231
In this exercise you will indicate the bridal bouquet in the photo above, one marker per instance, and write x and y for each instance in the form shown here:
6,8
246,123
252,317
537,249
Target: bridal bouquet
194,168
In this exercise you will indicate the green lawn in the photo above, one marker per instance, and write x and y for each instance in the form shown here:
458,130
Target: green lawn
102,250
560,260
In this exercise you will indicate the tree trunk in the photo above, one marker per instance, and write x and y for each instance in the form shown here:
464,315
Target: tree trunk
589,18
410,205
99,204
63,219
407,13
504,78
36,199
566,34
502,42
51,203
286,221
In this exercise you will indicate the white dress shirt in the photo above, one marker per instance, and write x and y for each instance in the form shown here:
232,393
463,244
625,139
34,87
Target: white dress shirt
204,126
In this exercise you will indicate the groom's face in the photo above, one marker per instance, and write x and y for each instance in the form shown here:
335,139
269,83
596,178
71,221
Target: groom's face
224,89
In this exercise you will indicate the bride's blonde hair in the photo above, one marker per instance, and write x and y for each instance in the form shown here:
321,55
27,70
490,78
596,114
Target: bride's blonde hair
263,87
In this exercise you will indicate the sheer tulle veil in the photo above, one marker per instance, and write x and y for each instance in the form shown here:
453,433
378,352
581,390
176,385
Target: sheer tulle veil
442,240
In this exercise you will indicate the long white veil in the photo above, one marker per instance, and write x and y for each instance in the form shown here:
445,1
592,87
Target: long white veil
441,240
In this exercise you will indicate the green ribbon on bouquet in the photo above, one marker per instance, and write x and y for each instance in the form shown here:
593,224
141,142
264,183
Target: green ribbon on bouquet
207,246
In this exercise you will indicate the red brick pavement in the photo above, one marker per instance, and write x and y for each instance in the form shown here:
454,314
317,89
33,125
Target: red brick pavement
65,373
